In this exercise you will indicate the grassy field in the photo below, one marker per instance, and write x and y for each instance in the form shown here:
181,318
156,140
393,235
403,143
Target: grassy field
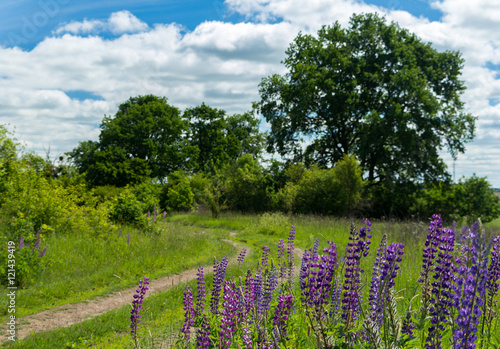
80,269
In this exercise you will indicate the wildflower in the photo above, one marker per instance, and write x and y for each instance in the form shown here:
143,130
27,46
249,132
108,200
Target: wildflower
290,249
408,325
37,241
442,297
247,336
229,311
203,335
470,289
373,299
281,314
201,292
135,316
430,252
249,300
356,248
241,257
21,242
281,258
43,252
219,275
265,257
188,313
258,291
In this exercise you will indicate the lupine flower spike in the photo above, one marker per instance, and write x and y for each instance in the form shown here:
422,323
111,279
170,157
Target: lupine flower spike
135,315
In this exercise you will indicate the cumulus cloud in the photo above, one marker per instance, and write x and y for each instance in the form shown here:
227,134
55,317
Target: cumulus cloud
118,23
221,64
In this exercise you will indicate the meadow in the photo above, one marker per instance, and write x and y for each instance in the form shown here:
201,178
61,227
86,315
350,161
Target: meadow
78,269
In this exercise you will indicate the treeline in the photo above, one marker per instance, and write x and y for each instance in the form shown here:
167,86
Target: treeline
151,153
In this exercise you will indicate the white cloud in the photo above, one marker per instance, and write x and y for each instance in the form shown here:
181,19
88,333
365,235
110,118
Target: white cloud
118,23
221,64
125,22
84,27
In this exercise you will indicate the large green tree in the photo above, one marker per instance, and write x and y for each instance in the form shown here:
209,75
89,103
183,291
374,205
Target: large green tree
373,90
146,137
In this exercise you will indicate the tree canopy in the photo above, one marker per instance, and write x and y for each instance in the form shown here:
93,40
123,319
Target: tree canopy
147,137
373,90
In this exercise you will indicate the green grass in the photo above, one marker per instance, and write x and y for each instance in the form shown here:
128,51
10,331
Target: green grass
78,267
182,246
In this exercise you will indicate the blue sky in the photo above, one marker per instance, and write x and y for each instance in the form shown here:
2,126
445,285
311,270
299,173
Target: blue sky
65,64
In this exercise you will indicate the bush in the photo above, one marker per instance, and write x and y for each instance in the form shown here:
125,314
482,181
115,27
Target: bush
246,185
177,194
128,209
148,193
273,224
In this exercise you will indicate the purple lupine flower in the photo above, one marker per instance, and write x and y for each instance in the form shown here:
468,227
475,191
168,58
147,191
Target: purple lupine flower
269,287
241,257
203,335
149,214
442,297
304,269
262,342
37,241
120,233
188,313
336,296
390,266
258,291
376,308
265,257
290,256
317,277
229,312
201,292
356,249
247,336
135,316
43,252
281,258
281,314
164,216
249,293
21,242
492,283
408,325
470,288
315,247
128,238
219,275
430,253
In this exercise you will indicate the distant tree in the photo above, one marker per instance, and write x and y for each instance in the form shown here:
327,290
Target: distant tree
220,139
373,90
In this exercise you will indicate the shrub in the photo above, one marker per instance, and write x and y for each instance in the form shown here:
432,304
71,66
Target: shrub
273,224
177,194
128,209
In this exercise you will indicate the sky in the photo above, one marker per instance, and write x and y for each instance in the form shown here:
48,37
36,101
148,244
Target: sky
64,64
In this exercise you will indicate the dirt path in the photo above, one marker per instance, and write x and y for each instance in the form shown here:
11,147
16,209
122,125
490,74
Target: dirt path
70,314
